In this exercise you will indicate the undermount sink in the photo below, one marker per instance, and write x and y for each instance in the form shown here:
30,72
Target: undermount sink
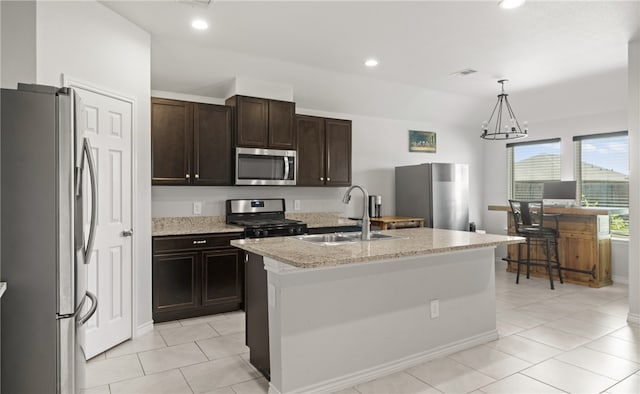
342,238
378,236
328,239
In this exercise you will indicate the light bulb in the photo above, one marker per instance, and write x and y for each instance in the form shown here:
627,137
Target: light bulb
371,63
199,24
510,4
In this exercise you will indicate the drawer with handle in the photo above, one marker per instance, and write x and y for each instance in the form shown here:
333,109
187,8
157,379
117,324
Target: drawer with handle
193,242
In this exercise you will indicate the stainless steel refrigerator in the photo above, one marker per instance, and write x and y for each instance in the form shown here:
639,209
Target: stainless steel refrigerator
437,192
44,156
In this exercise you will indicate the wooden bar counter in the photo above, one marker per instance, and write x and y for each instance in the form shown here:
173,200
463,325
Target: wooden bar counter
584,243
396,222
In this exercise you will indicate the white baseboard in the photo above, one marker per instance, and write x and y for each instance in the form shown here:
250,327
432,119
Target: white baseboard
349,380
143,329
620,279
633,318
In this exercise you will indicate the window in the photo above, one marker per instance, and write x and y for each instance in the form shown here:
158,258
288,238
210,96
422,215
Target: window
602,172
529,165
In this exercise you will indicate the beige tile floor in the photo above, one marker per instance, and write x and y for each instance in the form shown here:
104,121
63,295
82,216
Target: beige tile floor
573,339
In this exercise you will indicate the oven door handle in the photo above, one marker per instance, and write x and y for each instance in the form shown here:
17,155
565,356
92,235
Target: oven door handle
286,168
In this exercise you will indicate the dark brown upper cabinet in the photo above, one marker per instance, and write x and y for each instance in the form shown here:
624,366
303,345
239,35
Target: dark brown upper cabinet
171,141
191,143
264,123
324,151
212,144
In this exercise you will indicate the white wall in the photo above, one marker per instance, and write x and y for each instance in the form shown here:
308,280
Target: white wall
313,87
90,43
634,179
18,36
378,145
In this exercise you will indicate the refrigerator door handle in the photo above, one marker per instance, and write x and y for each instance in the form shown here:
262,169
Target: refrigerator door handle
92,310
86,148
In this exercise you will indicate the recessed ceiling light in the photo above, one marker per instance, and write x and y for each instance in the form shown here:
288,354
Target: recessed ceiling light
510,4
199,24
371,63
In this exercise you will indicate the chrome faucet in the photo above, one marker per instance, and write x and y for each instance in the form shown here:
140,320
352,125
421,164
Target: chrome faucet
366,236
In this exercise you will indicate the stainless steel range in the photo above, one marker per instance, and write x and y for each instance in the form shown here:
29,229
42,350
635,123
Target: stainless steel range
262,218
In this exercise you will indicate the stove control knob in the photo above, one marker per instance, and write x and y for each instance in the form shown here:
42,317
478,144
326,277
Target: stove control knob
299,230
257,232
292,230
265,233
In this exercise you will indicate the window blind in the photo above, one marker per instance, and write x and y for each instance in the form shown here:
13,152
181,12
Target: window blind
530,164
602,169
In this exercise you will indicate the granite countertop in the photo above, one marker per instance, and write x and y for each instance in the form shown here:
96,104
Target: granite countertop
416,241
322,219
216,224
192,225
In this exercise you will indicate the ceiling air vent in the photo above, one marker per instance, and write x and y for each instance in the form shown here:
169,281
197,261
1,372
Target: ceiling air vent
464,72
199,3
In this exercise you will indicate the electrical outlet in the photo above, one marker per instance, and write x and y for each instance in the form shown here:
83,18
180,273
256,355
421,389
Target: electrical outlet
296,205
197,208
435,308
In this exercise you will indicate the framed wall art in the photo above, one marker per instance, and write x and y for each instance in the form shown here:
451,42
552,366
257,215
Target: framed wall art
422,141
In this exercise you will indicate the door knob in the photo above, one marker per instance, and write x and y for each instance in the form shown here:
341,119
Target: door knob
127,233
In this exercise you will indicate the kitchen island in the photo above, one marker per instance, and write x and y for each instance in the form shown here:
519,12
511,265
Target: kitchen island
339,315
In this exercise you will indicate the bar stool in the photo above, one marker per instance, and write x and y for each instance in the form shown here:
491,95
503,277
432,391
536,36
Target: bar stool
528,219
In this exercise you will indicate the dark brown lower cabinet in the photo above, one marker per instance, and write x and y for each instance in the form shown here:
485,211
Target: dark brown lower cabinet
222,276
175,275
196,275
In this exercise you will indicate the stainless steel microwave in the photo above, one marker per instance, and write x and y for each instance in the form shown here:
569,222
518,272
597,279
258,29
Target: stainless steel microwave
265,167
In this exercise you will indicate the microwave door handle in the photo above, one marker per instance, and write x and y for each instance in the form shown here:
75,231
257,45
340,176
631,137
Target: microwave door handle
86,148
286,168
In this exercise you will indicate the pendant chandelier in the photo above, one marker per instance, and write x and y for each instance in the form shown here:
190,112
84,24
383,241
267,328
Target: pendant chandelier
508,130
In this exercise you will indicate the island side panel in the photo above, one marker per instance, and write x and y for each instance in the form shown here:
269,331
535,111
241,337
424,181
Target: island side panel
333,328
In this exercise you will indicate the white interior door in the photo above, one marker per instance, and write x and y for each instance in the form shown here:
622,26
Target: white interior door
108,128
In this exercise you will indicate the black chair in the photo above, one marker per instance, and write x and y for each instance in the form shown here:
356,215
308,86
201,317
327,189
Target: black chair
529,221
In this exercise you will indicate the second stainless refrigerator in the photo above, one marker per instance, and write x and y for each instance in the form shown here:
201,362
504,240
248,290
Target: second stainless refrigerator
437,192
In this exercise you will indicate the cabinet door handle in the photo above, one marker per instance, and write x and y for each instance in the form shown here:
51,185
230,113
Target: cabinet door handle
197,176
187,176
200,242
328,179
322,178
